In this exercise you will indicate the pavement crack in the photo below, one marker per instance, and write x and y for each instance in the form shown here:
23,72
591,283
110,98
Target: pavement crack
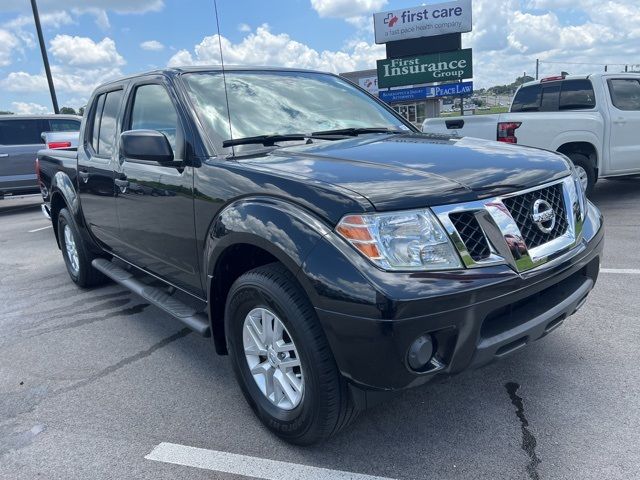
529,442
125,361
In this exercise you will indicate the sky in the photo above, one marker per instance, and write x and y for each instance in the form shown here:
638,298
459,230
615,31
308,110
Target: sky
91,41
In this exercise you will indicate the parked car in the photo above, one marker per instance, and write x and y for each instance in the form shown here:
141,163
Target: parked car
20,140
332,250
592,119
61,139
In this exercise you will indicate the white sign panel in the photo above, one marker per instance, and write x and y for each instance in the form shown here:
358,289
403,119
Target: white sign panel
424,21
370,84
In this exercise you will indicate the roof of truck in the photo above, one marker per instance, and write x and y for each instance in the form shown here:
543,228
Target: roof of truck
554,78
209,68
40,117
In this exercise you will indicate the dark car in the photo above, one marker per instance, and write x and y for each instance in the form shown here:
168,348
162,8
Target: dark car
20,140
334,252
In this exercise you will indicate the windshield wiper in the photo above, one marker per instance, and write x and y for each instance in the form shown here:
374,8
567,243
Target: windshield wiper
266,140
354,132
271,140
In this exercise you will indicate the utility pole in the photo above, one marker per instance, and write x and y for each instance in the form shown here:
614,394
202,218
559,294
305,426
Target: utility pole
537,67
606,68
45,59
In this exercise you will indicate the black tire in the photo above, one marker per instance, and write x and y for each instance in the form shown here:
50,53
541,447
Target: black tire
582,161
85,275
326,406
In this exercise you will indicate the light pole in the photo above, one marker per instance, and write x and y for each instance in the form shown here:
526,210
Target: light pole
45,59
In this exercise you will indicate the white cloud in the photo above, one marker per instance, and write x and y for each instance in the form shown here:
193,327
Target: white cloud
346,8
79,82
152,45
8,42
82,51
29,108
243,27
52,19
266,48
79,64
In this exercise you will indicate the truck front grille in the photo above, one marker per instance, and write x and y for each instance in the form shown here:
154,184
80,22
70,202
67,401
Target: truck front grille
521,207
471,235
522,229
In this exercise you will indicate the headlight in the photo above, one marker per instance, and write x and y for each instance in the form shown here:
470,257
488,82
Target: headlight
581,193
412,240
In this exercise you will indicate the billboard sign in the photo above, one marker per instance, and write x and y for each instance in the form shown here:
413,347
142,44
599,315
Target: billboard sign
370,84
422,93
423,21
438,67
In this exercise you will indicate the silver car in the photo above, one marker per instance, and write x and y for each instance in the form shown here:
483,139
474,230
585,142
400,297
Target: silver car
20,140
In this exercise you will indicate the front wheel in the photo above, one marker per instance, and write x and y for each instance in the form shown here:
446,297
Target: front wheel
77,257
282,360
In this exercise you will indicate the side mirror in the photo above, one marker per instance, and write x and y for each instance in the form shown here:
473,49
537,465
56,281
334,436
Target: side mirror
146,145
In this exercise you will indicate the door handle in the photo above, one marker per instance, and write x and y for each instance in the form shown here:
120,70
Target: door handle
3,155
84,175
620,121
122,184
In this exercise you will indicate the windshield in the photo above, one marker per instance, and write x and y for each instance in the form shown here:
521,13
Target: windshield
270,103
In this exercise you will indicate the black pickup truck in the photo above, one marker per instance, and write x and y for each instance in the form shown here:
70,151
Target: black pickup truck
333,251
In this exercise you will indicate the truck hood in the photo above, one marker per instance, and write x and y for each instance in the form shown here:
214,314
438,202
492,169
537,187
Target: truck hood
416,170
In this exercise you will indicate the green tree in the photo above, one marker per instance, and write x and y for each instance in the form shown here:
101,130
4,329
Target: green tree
5,112
81,111
68,111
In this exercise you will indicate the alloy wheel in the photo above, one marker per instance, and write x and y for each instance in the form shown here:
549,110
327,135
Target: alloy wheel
273,358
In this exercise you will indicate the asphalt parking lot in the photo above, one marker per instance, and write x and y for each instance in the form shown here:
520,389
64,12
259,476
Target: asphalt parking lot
91,382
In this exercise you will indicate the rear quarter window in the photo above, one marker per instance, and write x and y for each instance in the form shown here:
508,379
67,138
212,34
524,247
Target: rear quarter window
21,132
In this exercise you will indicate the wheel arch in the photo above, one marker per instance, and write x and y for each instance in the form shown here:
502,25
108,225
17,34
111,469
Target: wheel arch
587,149
250,233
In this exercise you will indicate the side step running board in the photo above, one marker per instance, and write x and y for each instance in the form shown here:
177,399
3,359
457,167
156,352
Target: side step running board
196,321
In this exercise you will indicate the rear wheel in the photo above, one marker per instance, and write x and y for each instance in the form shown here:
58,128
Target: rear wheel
77,257
585,170
282,360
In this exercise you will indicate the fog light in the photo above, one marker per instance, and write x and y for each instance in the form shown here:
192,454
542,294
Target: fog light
420,352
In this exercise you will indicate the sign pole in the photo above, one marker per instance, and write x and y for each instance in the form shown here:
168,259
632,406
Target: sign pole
45,59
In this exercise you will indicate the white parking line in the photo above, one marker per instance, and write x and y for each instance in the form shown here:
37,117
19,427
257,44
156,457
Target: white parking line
623,271
248,466
38,229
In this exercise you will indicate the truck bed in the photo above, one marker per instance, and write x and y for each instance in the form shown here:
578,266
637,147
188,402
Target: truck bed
51,161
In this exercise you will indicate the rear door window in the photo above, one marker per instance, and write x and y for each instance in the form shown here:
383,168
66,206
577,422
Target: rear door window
577,95
103,130
625,93
63,125
21,132
108,122
527,99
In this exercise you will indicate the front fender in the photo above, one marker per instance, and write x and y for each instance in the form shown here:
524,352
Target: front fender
283,229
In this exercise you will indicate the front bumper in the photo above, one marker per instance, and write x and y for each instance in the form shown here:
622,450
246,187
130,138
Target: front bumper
475,316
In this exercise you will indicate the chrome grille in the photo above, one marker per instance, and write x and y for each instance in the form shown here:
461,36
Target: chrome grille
502,230
521,207
471,235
